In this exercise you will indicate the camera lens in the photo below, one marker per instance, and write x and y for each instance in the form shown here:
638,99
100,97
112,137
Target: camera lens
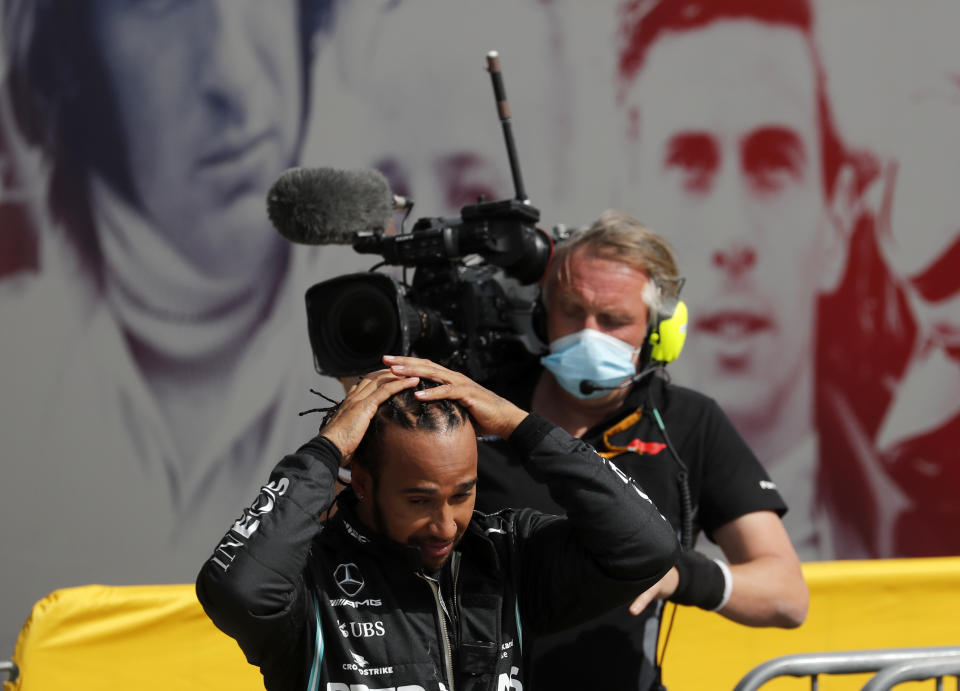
362,323
354,320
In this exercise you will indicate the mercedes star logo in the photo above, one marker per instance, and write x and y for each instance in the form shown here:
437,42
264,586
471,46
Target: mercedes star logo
349,579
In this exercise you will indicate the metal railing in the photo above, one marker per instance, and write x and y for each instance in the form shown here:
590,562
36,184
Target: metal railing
916,670
10,668
842,662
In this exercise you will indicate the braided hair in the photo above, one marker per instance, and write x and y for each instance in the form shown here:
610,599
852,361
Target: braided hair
405,410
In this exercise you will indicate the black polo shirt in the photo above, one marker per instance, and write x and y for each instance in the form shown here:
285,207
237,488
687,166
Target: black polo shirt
725,479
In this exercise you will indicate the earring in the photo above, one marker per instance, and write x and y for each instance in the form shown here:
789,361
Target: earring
360,497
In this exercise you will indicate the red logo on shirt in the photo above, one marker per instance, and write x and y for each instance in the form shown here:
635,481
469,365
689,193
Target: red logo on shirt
650,447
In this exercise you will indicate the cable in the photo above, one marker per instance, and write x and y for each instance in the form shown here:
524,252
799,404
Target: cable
686,516
666,638
686,503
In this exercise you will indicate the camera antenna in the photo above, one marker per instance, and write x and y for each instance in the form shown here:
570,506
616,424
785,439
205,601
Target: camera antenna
503,110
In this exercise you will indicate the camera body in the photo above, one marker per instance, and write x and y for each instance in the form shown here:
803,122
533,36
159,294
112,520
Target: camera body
465,307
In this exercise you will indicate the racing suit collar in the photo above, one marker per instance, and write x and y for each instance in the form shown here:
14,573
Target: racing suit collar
350,525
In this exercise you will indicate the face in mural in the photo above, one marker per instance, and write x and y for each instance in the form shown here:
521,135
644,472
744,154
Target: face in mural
727,162
424,83
208,98
443,146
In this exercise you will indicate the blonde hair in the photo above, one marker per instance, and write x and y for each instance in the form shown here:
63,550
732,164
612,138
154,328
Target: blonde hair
622,238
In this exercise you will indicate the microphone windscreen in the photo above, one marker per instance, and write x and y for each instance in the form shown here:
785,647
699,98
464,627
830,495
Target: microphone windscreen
327,206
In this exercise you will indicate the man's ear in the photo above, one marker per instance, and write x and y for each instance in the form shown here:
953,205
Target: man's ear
361,481
840,218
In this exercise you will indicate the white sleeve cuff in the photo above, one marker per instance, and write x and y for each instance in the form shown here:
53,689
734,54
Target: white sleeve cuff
727,585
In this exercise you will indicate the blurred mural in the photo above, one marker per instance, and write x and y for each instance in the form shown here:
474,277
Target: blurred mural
801,157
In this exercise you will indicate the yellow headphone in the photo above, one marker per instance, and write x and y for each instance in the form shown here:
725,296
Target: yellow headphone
669,333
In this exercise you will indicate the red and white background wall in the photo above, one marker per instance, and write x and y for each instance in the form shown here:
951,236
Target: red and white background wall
802,159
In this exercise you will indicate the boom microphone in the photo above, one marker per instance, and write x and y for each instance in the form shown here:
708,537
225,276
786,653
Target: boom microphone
327,206
588,386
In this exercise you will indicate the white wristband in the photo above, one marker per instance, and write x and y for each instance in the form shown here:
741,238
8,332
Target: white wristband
727,585
344,475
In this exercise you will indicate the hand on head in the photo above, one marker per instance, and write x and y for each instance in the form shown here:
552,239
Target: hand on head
492,414
348,425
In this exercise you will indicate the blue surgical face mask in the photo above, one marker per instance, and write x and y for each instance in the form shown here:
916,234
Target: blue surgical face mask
593,355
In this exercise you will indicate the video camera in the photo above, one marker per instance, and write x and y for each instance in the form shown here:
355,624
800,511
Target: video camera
456,312
462,309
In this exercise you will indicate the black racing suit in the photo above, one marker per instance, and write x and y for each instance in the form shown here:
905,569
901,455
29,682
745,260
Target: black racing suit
331,605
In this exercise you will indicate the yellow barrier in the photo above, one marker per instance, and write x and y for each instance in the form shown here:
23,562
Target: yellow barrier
127,637
854,605
157,637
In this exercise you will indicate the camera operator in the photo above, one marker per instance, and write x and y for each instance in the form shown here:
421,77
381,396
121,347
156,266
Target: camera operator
405,587
610,288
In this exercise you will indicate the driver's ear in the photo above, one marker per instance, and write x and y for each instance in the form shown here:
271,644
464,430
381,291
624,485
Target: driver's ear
361,481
